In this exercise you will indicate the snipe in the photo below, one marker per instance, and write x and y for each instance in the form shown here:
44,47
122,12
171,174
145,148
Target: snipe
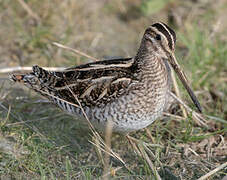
131,93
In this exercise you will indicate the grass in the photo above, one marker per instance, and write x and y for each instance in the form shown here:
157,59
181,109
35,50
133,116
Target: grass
38,141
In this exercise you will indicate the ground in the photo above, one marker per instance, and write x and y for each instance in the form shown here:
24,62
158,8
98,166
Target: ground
39,141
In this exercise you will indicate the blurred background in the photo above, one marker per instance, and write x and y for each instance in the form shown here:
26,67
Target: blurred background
39,141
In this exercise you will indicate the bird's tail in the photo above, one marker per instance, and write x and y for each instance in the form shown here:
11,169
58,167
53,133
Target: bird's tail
36,80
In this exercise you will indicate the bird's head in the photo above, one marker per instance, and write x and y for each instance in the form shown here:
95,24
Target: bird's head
159,40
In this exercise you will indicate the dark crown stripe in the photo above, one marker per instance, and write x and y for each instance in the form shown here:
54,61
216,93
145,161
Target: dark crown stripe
167,32
171,31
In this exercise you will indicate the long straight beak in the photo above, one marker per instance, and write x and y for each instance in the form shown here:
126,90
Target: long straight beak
184,81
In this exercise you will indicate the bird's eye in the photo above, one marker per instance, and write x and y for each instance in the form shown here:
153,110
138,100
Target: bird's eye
158,37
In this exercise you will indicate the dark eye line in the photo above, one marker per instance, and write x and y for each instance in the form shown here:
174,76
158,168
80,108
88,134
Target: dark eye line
158,37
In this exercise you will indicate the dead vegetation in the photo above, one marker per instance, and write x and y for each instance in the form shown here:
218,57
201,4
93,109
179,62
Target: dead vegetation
39,141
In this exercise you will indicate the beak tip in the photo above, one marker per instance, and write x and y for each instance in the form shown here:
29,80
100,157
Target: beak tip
200,109
197,104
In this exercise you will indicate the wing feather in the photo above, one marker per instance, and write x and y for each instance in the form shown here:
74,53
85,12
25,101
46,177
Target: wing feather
95,83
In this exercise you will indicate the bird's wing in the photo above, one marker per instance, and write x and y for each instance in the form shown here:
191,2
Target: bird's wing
93,84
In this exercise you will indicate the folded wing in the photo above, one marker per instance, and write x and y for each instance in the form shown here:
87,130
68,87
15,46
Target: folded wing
92,84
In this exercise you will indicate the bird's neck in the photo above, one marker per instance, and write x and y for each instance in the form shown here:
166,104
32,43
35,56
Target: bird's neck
151,65
148,57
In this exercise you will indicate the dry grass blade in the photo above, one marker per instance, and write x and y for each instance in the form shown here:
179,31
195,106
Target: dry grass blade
102,147
99,141
98,149
217,119
139,148
24,122
20,120
35,129
148,132
177,91
133,145
149,151
74,51
213,171
198,118
108,134
147,144
29,11
7,116
112,172
82,109
43,92
146,157
174,116
28,68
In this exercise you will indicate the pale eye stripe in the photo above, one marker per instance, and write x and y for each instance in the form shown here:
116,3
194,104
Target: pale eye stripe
160,28
157,32
169,34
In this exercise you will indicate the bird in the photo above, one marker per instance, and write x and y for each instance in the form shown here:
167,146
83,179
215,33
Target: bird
129,93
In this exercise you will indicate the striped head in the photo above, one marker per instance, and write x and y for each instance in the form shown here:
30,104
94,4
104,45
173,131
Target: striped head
159,40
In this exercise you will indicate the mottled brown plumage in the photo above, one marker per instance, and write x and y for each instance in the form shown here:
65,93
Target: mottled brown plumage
130,93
